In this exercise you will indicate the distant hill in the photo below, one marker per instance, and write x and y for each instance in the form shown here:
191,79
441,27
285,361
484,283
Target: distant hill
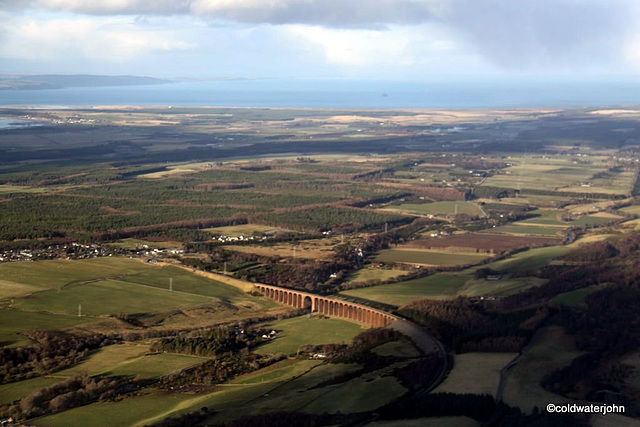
59,81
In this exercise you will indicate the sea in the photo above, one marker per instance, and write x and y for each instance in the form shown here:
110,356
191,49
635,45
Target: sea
339,94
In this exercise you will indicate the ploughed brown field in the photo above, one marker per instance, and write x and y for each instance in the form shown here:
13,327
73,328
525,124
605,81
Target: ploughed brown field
491,243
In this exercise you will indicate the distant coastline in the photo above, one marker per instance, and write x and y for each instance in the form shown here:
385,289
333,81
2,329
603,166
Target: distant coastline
59,81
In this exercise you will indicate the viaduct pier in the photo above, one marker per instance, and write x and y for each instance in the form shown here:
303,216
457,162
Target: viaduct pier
328,306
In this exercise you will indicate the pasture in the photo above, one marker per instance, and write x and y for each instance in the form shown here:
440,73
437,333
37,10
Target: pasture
18,189
151,404
109,297
436,286
15,391
156,365
551,349
631,210
532,259
438,208
279,371
548,217
499,288
55,274
297,331
358,395
49,295
184,281
576,298
477,373
104,360
370,273
401,348
244,230
14,323
271,389
448,285
563,174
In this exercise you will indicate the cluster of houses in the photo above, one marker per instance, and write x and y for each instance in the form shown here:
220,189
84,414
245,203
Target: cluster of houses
227,239
82,251
66,251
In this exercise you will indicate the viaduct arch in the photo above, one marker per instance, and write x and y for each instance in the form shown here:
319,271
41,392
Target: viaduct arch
328,306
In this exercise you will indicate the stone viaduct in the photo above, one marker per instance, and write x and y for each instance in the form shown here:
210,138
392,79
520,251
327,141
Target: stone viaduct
328,306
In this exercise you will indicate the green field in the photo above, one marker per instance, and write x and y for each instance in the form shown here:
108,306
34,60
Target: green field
538,175
369,273
14,323
16,391
500,288
279,371
109,297
243,230
131,359
272,389
185,281
42,275
358,395
576,298
437,286
106,359
54,274
591,220
439,208
563,174
450,285
16,189
551,349
402,348
12,289
631,210
138,410
156,365
425,257
103,286
549,223
477,373
297,331
550,217
533,259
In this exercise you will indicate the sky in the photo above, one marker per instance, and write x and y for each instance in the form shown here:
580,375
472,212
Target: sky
393,40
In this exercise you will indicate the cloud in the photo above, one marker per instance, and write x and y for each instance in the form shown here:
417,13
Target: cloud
510,33
104,7
545,36
331,13
325,13
112,39
544,33
398,46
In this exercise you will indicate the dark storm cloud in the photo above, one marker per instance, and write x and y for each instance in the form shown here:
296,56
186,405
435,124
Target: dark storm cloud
536,31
